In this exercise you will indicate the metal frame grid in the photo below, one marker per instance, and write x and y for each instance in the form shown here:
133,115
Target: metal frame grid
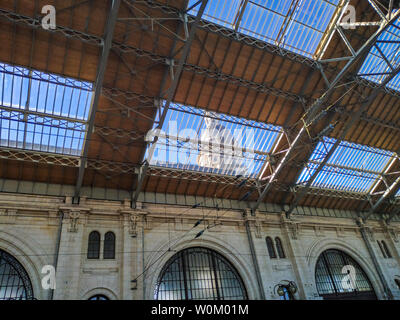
329,276
234,34
199,274
41,111
351,167
209,141
287,24
384,57
14,280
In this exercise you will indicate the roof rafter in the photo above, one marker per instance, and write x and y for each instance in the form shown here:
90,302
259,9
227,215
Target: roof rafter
315,112
109,33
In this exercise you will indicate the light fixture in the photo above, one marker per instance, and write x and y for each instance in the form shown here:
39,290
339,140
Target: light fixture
290,287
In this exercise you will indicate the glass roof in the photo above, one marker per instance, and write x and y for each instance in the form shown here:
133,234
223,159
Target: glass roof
296,25
351,167
376,67
41,111
210,142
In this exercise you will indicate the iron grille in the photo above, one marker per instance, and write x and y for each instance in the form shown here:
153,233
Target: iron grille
14,280
329,276
199,274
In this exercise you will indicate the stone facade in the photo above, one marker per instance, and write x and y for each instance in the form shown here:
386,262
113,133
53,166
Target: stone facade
41,231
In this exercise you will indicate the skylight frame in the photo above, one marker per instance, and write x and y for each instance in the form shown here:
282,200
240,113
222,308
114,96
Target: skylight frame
284,21
344,170
249,163
375,68
41,111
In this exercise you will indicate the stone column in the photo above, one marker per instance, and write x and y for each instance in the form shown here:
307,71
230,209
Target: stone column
296,254
70,254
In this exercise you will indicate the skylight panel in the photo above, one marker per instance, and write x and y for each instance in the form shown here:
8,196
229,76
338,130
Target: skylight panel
351,167
41,111
198,140
297,26
376,66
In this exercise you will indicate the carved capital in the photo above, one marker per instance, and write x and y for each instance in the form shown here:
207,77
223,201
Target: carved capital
258,228
133,220
73,220
293,227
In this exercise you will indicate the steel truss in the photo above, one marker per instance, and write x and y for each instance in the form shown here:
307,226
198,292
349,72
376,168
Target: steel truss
36,24
182,16
175,77
259,87
317,111
109,33
187,19
127,168
199,176
259,44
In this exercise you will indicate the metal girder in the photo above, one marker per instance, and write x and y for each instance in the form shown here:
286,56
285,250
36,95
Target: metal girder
394,213
259,44
170,96
315,112
109,33
233,34
198,176
259,87
208,26
389,191
65,160
348,125
36,24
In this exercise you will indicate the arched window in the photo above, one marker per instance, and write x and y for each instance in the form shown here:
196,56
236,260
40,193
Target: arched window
397,281
271,248
380,247
388,254
98,297
94,245
334,281
109,246
199,273
279,248
14,280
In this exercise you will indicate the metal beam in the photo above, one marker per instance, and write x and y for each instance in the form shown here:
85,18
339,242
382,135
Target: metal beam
314,112
390,190
213,74
109,33
208,26
259,44
393,214
348,125
170,96
36,24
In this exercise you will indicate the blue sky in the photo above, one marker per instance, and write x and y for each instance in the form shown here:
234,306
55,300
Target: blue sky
44,94
188,122
349,156
264,20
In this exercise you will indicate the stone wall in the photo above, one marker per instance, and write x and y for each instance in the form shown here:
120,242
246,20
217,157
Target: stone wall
34,228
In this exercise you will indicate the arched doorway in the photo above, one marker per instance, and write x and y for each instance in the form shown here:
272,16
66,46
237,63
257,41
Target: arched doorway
333,284
14,280
199,273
